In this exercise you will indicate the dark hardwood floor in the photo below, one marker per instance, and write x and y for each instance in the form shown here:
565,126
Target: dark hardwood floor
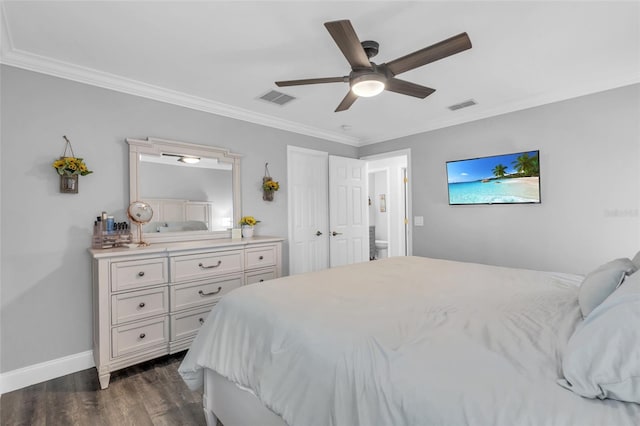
151,393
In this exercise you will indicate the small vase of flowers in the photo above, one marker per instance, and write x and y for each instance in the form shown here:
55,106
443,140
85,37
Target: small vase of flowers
269,186
69,168
247,223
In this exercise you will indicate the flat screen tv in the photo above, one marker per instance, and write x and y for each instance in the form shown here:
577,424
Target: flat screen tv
499,179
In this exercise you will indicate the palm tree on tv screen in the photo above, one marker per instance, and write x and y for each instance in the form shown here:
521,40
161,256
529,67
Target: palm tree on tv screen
499,170
527,166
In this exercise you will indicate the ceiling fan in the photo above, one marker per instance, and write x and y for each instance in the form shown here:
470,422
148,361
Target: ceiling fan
369,79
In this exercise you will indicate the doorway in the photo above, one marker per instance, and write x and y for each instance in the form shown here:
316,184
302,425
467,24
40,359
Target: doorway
389,204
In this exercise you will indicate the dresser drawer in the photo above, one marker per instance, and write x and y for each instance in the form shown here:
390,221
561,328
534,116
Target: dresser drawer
139,336
137,305
260,275
199,266
133,274
260,256
186,324
191,295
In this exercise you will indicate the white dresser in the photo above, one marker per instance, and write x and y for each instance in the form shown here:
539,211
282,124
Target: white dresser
151,301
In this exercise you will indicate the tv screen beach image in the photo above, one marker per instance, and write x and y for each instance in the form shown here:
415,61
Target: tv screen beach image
500,179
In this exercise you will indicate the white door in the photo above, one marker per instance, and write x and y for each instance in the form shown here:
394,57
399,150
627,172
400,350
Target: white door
348,214
307,183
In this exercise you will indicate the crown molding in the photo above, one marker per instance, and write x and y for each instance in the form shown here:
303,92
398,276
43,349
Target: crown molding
41,64
65,70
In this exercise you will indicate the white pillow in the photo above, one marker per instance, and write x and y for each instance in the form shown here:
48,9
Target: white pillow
600,283
602,359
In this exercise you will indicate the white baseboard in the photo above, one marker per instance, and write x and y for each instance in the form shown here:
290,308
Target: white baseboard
37,373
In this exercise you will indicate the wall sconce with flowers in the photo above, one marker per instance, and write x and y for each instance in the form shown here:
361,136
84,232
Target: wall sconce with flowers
69,168
269,186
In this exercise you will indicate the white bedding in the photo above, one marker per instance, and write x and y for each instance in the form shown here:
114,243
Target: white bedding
404,341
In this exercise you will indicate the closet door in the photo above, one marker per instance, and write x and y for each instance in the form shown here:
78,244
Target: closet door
348,212
307,185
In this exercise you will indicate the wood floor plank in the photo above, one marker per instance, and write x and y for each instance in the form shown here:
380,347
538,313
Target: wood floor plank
86,395
31,406
155,397
151,393
123,404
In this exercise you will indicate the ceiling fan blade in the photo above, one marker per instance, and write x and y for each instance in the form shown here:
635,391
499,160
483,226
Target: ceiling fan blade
347,102
407,88
312,81
345,37
448,47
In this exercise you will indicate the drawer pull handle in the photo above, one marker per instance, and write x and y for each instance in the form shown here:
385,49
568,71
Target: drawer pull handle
142,304
211,266
262,280
261,257
141,274
201,320
203,294
142,335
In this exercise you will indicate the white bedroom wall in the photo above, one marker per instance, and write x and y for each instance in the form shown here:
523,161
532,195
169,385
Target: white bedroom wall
590,178
45,281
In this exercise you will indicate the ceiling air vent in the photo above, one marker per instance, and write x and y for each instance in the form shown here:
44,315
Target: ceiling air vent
461,105
276,97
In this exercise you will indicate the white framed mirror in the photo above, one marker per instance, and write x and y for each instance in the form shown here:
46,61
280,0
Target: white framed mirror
194,190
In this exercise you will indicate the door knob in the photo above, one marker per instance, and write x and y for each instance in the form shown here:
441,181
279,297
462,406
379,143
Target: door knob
318,233
334,233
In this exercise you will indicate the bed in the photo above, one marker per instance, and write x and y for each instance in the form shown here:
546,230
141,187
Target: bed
411,341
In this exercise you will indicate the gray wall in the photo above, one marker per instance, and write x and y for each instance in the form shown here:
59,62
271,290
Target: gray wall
590,186
45,281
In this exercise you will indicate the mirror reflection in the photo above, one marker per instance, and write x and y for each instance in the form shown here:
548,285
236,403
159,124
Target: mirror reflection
191,195
194,190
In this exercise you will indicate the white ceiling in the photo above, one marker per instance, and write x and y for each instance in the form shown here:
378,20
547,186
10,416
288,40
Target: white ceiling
221,56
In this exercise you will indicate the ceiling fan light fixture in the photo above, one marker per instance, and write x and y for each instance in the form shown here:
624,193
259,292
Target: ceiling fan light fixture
189,160
368,85
367,78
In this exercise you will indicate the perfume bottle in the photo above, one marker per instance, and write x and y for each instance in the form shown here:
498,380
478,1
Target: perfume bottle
110,225
103,218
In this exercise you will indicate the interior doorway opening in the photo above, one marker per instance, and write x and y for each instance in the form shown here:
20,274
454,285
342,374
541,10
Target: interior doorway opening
389,204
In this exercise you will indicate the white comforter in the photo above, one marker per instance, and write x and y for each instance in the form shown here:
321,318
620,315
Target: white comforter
404,341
